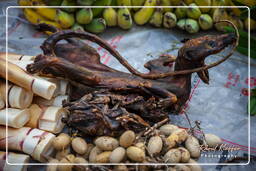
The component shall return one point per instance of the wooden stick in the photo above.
(13, 158)
(17, 118)
(18, 97)
(34, 142)
(18, 76)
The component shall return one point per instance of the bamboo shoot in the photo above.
(14, 56)
(18, 97)
(13, 158)
(18, 76)
(17, 118)
(34, 142)
(2, 103)
(55, 101)
(22, 64)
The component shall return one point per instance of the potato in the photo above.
(172, 140)
(103, 157)
(155, 145)
(63, 153)
(171, 169)
(172, 156)
(141, 145)
(212, 140)
(87, 153)
(80, 160)
(106, 143)
(79, 145)
(168, 129)
(61, 141)
(52, 167)
(194, 167)
(193, 146)
(182, 168)
(182, 134)
(135, 154)
(93, 154)
(70, 158)
(127, 138)
(117, 155)
(185, 155)
(64, 167)
(120, 168)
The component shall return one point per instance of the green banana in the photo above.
(205, 22)
(85, 2)
(157, 18)
(124, 18)
(65, 19)
(204, 3)
(166, 3)
(110, 16)
(53, 3)
(193, 11)
(137, 3)
(188, 1)
(191, 26)
(124, 2)
(175, 2)
(84, 16)
(169, 20)
(220, 14)
(181, 12)
(236, 21)
(69, 3)
(97, 11)
(77, 27)
(98, 25)
(143, 15)
(181, 24)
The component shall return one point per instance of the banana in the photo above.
(191, 26)
(143, 15)
(220, 14)
(169, 20)
(124, 18)
(32, 16)
(77, 27)
(193, 11)
(53, 2)
(205, 22)
(97, 11)
(166, 3)
(137, 3)
(181, 12)
(252, 24)
(181, 24)
(65, 19)
(175, 2)
(236, 11)
(84, 16)
(52, 23)
(97, 25)
(157, 18)
(249, 3)
(124, 2)
(219, 2)
(110, 16)
(49, 13)
(85, 2)
(69, 3)
(236, 21)
(188, 1)
(24, 2)
(204, 3)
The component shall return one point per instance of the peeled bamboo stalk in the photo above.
(13, 158)
(18, 76)
(2, 103)
(55, 101)
(47, 118)
(61, 86)
(20, 63)
(18, 97)
(14, 56)
(34, 142)
(17, 118)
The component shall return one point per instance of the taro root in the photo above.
(112, 100)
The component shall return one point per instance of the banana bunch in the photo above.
(191, 18)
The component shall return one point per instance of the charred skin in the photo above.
(141, 101)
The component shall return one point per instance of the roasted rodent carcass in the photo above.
(106, 100)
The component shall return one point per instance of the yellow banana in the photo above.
(110, 16)
(65, 19)
(247, 2)
(137, 3)
(143, 15)
(236, 11)
(49, 13)
(166, 3)
(24, 2)
(204, 3)
(124, 2)
(157, 18)
(32, 16)
(124, 18)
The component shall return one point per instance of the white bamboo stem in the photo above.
(17, 118)
(18, 76)
(2, 103)
(55, 101)
(20, 63)
(34, 142)
(61, 85)
(13, 158)
(14, 56)
(18, 97)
